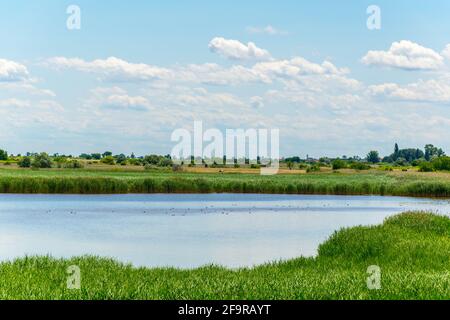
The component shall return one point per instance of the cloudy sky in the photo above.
(136, 71)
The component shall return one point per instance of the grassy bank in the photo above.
(411, 249)
(107, 182)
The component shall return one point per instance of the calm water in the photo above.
(187, 230)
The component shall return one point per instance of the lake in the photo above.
(187, 230)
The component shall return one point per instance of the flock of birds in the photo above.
(211, 209)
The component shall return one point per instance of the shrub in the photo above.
(401, 162)
(25, 162)
(338, 164)
(42, 161)
(74, 164)
(360, 166)
(121, 159)
(426, 167)
(313, 168)
(165, 162)
(417, 162)
(441, 163)
(108, 160)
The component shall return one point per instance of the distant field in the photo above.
(411, 251)
(121, 180)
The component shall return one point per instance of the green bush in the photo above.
(42, 161)
(441, 164)
(338, 164)
(360, 166)
(108, 160)
(426, 167)
(3, 155)
(313, 168)
(74, 164)
(25, 162)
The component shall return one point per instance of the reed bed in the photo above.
(94, 182)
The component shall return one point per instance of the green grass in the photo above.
(116, 181)
(412, 250)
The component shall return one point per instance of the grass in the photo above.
(90, 181)
(412, 250)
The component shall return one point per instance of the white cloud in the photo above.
(11, 71)
(126, 102)
(433, 90)
(295, 67)
(405, 55)
(13, 102)
(446, 52)
(236, 50)
(263, 72)
(112, 68)
(269, 30)
(116, 98)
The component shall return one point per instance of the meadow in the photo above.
(411, 249)
(122, 180)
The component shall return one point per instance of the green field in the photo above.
(412, 251)
(90, 181)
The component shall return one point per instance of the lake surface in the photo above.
(187, 230)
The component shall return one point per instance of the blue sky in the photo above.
(136, 71)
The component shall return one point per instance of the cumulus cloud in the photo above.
(11, 71)
(446, 52)
(263, 72)
(405, 55)
(236, 50)
(295, 67)
(116, 98)
(433, 90)
(112, 68)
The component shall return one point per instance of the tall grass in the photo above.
(411, 249)
(88, 182)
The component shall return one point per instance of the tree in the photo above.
(107, 154)
(25, 162)
(165, 162)
(3, 155)
(42, 160)
(108, 160)
(432, 152)
(338, 164)
(152, 159)
(85, 156)
(396, 149)
(121, 158)
(373, 156)
(290, 165)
